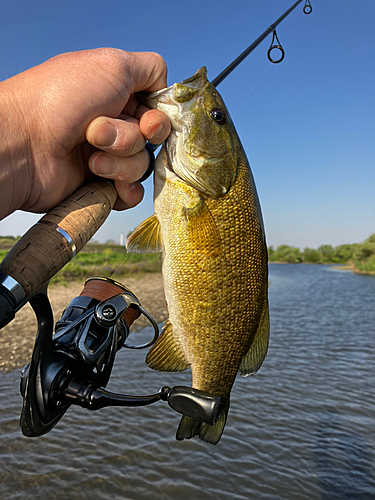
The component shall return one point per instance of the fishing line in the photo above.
(307, 9)
(247, 96)
(289, 37)
(116, 271)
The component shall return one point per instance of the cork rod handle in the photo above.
(59, 235)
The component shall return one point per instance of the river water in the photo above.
(302, 428)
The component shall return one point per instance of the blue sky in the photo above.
(306, 124)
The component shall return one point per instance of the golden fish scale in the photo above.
(215, 298)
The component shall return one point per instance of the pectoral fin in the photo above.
(166, 355)
(203, 233)
(254, 358)
(146, 238)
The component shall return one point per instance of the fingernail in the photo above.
(104, 165)
(155, 129)
(104, 135)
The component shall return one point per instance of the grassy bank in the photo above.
(99, 260)
(108, 260)
(111, 259)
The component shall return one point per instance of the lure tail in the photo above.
(190, 427)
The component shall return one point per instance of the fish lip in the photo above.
(165, 107)
(145, 97)
(202, 71)
(148, 100)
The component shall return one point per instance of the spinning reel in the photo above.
(73, 366)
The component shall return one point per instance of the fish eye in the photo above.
(219, 115)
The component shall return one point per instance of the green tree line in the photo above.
(361, 256)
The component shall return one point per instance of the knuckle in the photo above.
(160, 61)
(160, 65)
(109, 55)
(157, 64)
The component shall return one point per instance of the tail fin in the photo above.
(190, 427)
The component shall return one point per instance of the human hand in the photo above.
(74, 116)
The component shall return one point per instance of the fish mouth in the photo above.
(172, 100)
(169, 107)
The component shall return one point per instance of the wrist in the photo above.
(15, 177)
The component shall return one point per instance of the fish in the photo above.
(208, 225)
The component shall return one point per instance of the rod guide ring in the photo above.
(279, 47)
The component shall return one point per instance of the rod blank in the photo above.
(251, 47)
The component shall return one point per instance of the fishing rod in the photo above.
(58, 236)
(307, 9)
(71, 364)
